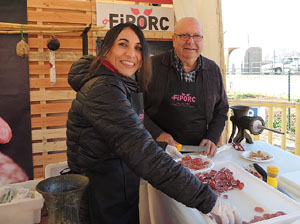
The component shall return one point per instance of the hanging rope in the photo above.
(22, 34)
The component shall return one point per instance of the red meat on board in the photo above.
(259, 209)
(221, 181)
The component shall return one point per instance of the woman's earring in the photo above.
(139, 69)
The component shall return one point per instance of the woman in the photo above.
(107, 140)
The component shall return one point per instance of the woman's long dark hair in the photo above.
(109, 39)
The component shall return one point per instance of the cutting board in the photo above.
(291, 180)
(258, 193)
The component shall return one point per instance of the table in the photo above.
(158, 208)
(285, 161)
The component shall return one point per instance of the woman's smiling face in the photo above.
(126, 53)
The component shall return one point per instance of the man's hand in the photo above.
(212, 148)
(165, 137)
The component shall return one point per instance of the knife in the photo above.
(264, 175)
(261, 171)
(191, 148)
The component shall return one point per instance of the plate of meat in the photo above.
(257, 156)
(196, 163)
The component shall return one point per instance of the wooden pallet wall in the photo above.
(50, 103)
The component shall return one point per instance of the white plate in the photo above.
(204, 158)
(246, 155)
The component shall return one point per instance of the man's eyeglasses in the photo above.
(185, 37)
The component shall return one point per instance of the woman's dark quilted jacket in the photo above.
(103, 125)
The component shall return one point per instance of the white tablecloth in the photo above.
(158, 208)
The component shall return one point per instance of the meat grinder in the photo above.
(243, 122)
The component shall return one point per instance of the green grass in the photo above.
(241, 95)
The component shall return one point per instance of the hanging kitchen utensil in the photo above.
(52, 44)
(22, 47)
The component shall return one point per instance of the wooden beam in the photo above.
(61, 68)
(43, 122)
(59, 56)
(59, 4)
(49, 146)
(45, 83)
(52, 95)
(48, 134)
(50, 108)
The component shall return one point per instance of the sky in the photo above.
(273, 25)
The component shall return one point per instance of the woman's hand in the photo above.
(225, 213)
(173, 152)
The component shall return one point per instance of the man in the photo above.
(186, 101)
